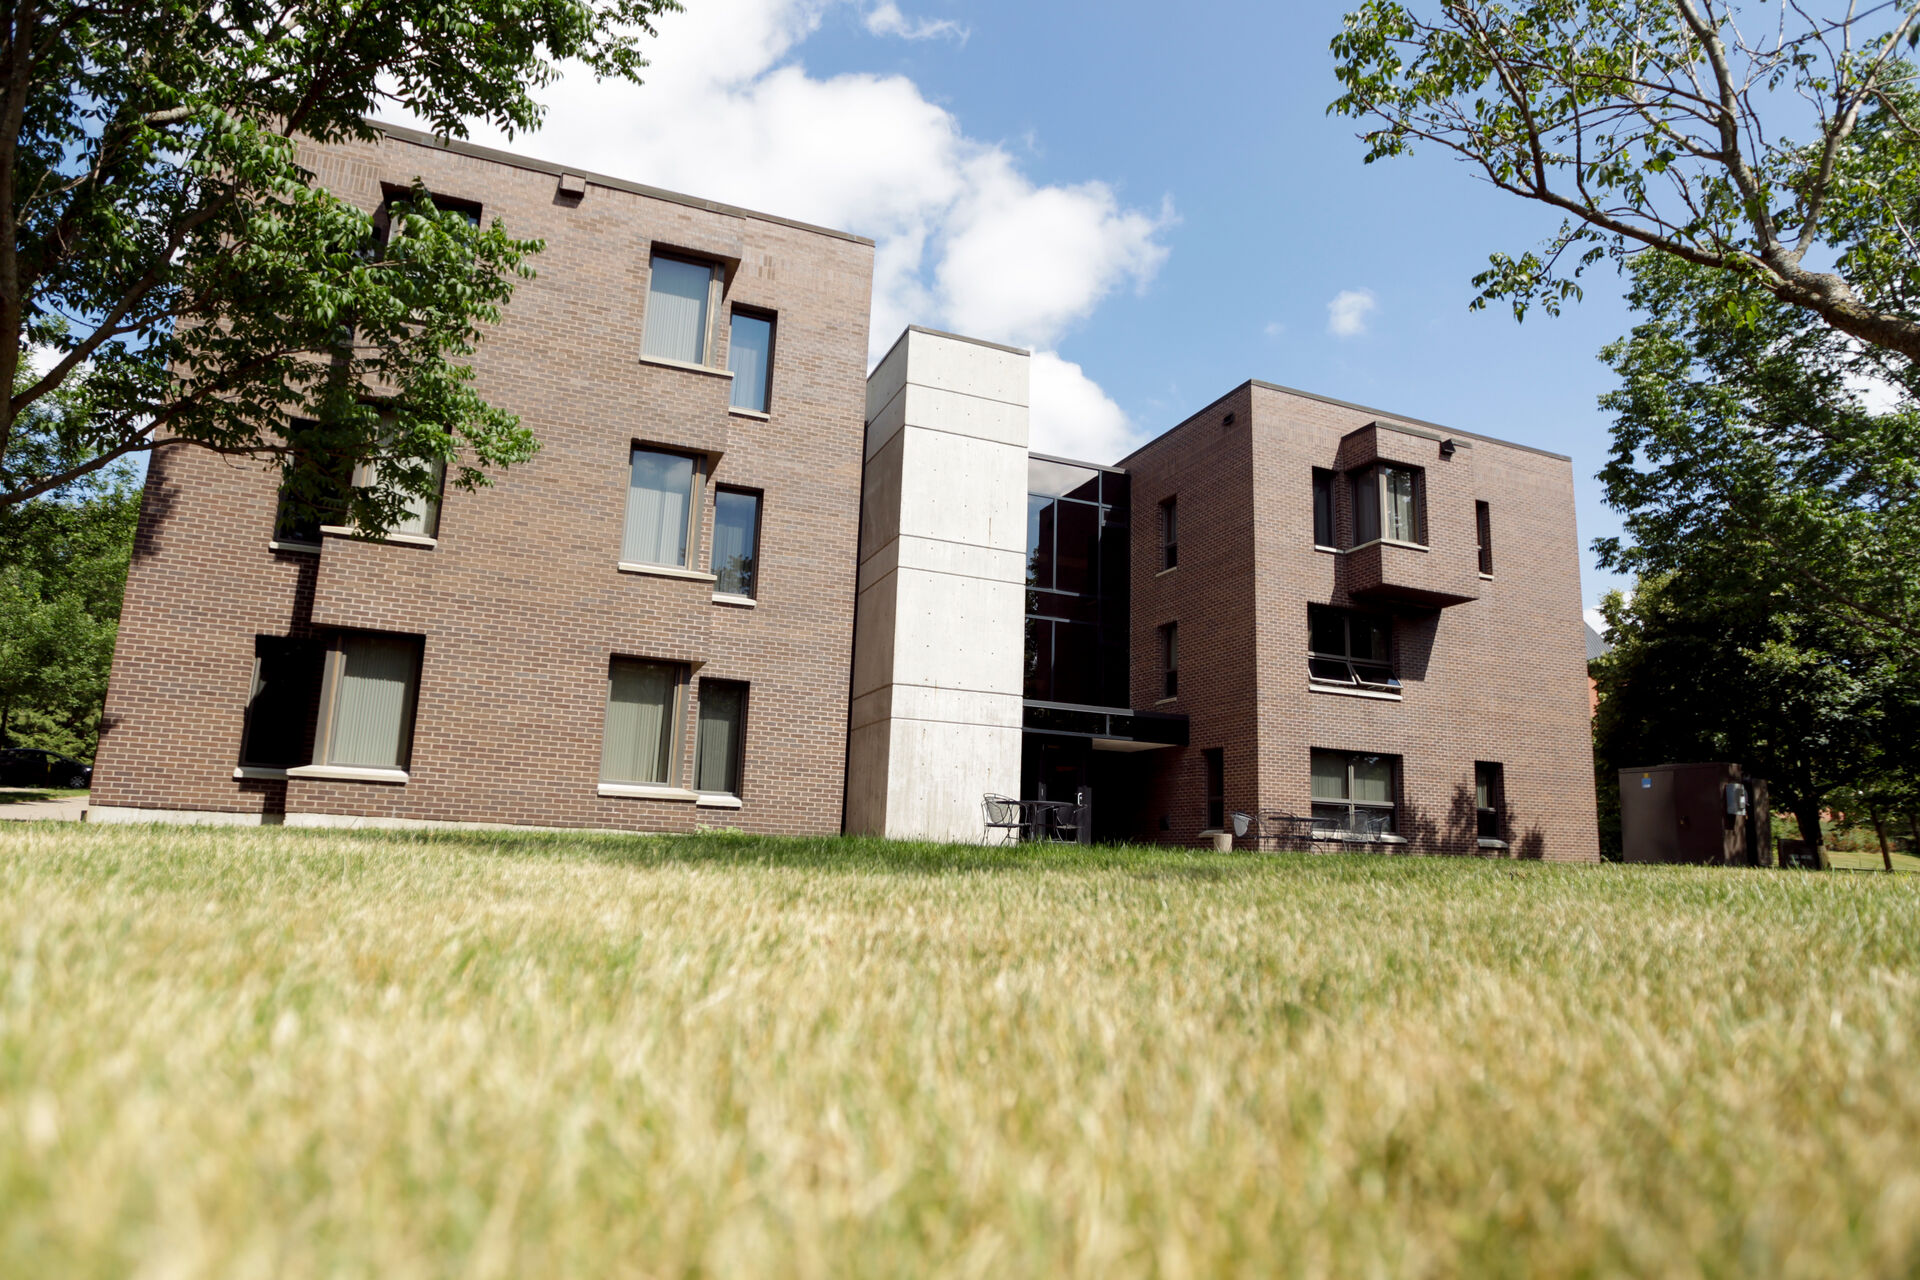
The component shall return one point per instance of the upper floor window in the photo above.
(1170, 533)
(663, 493)
(1323, 509)
(1386, 504)
(391, 222)
(421, 512)
(736, 542)
(1483, 530)
(1353, 793)
(643, 722)
(1489, 800)
(680, 299)
(750, 358)
(1345, 647)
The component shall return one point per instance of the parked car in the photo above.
(31, 767)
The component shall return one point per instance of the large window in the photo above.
(1483, 530)
(1489, 800)
(736, 542)
(1323, 509)
(1077, 590)
(679, 309)
(372, 685)
(722, 742)
(643, 719)
(1170, 533)
(663, 493)
(1349, 648)
(1170, 660)
(286, 682)
(1216, 764)
(1386, 504)
(750, 357)
(1353, 794)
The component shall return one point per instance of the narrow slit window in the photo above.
(1170, 533)
(750, 359)
(1489, 800)
(1170, 660)
(1483, 529)
(736, 542)
(721, 748)
(1215, 758)
(1323, 509)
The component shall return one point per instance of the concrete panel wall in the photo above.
(938, 633)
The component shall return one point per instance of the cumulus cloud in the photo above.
(1347, 313)
(887, 20)
(1070, 416)
(965, 239)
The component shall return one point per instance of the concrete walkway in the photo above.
(54, 808)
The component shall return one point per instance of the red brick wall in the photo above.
(520, 604)
(1501, 678)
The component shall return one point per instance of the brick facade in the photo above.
(520, 605)
(1493, 668)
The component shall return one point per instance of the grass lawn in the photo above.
(293, 1054)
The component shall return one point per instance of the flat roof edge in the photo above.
(961, 337)
(515, 160)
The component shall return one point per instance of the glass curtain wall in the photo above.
(1077, 561)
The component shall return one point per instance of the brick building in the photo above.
(645, 627)
(744, 583)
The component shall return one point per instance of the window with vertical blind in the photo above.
(720, 747)
(679, 309)
(663, 493)
(750, 359)
(1387, 505)
(422, 511)
(736, 542)
(643, 717)
(1353, 793)
(372, 687)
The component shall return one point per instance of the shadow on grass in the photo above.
(36, 795)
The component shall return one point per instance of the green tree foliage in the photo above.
(165, 243)
(63, 566)
(1769, 472)
(1762, 139)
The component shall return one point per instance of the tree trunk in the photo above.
(1880, 830)
(1807, 814)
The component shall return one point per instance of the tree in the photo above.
(1667, 125)
(165, 242)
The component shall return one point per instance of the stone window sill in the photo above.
(1161, 702)
(258, 773)
(1347, 691)
(738, 602)
(398, 539)
(1488, 842)
(1332, 551)
(666, 571)
(758, 414)
(1349, 837)
(347, 773)
(301, 548)
(1172, 568)
(717, 800)
(1486, 577)
(646, 791)
(707, 369)
(1391, 542)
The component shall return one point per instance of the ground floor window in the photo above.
(643, 717)
(286, 685)
(372, 685)
(1353, 793)
(722, 741)
(1216, 762)
(1489, 800)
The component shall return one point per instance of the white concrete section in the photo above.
(180, 817)
(938, 638)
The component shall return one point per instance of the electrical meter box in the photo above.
(1699, 813)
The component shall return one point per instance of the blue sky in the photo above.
(1152, 198)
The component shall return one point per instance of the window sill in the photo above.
(1161, 702)
(398, 539)
(666, 571)
(707, 369)
(1390, 542)
(258, 773)
(757, 414)
(1351, 837)
(646, 791)
(738, 602)
(1346, 691)
(1486, 577)
(1488, 842)
(1172, 568)
(346, 773)
(301, 548)
(1332, 551)
(717, 800)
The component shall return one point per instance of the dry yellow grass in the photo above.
(299, 1054)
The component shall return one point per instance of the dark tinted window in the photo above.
(723, 722)
(1216, 787)
(1323, 509)
(286, 690)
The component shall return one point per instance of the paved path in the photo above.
(59, 808)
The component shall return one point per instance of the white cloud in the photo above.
(1347, 313)
(965, 240)
(887, 20)
(1070, 415)
(1275, 329)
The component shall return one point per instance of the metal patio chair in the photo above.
(1004, 813)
